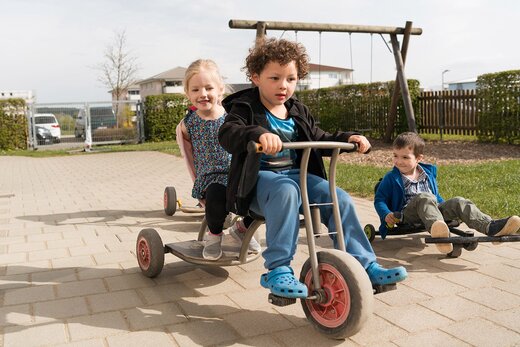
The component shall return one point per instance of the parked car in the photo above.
(48, 121)
(43, 135)
(101, 117)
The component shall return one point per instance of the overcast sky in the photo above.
(50, 47)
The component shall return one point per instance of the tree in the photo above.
(119, 69)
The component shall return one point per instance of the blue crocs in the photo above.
(281, 282)
(380, 276)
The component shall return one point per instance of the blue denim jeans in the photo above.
(278, 199)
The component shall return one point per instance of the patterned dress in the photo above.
(210, 159)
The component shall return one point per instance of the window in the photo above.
(172, 83)
(333, 75)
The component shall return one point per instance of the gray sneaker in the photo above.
(238, 236)
(212, 246)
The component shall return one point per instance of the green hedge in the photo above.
(162, 113)
(361, 107)
(13, 124)
(498, 96)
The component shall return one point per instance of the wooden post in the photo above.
(260, 33)
(392, 112)
(403, 83)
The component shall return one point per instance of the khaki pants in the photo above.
(423, 208)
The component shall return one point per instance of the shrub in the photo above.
(498, 96)
(162, 113)
(13, 124)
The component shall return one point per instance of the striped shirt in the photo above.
(412, 188)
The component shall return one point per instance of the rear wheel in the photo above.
(457, 251)
(150, 252)
(346, 295)
(370, 232)
(170, 201)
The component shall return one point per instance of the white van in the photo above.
(49, 121)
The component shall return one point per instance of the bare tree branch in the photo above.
(119, 69)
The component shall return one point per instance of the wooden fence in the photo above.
(449, 112)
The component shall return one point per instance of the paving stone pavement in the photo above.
(69, 275)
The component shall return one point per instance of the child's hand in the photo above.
(271, 143)
(390, 219)
(362, 142)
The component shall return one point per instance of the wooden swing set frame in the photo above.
(399, 54)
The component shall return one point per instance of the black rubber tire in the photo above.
(358, 293)
(370, 232)
(150, 252)
(170, 201)
(470, 246)
(457, 251)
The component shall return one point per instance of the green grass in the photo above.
(494, 187)
(169, 147)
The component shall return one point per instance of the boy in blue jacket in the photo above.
(411, 188)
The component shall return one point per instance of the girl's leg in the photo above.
(278, 199)
(463, 209)
(356, 242)
(216, 207)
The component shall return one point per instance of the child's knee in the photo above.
(286, 194)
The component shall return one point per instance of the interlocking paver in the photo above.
(69, 276)
(39, 335)
(114, 301)
(154, 316)
(141, 338)
(480, 332)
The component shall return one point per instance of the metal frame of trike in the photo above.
(340, 296)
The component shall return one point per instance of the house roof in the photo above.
(317, 67)
(175, 74)
(467, 80)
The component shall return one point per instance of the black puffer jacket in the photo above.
(245, 122)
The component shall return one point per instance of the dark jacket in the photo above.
(390, 193)
(246, 121)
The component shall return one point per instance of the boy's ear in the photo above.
(255, 78)
(420, 157)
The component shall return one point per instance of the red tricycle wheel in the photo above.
(150, 252)
(346, 291)
(335, 310)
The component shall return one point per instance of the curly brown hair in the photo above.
(280, 51)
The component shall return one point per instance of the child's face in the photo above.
(405, 160)
(276, 83)
(204, 92)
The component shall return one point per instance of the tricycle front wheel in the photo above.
(345, 298)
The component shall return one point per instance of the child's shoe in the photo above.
(238, 231)
(505, 226)
(380, 276)
(281, 282)
(212, 246)
(440, 229)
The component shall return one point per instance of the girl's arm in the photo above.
(184, 142)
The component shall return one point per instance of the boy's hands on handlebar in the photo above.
(362, 142)
(271, 143)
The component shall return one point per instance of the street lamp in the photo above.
(442, 86)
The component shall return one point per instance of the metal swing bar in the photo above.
(399, 53)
